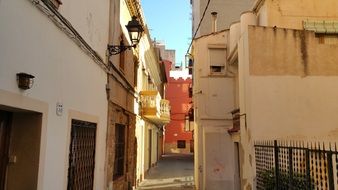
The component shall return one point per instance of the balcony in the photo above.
(165, 111)
(154, 108)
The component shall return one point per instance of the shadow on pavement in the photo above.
(173, 172)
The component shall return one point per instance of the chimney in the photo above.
(214, 22)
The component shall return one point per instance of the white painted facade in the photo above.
(213, 100)
(64, 73)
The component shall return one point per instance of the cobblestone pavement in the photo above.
(173, 172)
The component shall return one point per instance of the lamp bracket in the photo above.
(117, 49)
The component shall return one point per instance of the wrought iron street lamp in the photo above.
(135, 31)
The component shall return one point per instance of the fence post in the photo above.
(308, 169)
(276, 151)
(330, 169)
(290, 167)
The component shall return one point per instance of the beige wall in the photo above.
(305, 55)
(214, 99)
(292, 13)
(287, 82)
(218, 158)
(300, 72)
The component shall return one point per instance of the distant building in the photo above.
(179, 132)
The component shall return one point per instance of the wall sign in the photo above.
(59, 109)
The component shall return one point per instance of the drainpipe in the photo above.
(214, 22)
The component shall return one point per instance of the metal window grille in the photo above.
(120, 144)
(82, 155)
(296, 166)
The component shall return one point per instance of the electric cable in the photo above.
(198, 27)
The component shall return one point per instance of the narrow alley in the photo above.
(168, 95)
(173, 172)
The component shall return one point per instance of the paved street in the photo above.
(173, 172)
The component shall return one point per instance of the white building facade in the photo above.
(43, 128)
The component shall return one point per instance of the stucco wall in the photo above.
(300, 72)
(177, 92)
(91, 19)
(218, 157)
(214, 99)
(287, 89)
(291, 13)
(30, 42)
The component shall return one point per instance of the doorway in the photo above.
(20, 138)
(5, 125)
(150, 147)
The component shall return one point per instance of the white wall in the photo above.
(30, 42)
(90, 19)
(214, 99)
(219, 163)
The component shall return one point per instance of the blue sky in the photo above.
(169, 21)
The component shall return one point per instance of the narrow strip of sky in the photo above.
(169, 21)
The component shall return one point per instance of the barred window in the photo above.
(181, 144)
(119, 151)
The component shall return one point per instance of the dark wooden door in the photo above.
(192, 146)
(5, 123)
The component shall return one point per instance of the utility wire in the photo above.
(198, 27)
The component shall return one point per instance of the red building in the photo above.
(178, 136)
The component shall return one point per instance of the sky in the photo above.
(169, 21)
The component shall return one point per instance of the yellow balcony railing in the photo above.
(165, 111)
(154, 108)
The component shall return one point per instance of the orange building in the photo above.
(178, 136)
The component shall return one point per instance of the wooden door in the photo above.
(5, 123)
(191, 146)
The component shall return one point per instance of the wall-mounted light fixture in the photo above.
(135, 31)
(25, 81)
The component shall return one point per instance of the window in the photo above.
(181, 144)
(119, 151)
(82, 160)
(190, 91)
(217, 59)
(215, 69)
